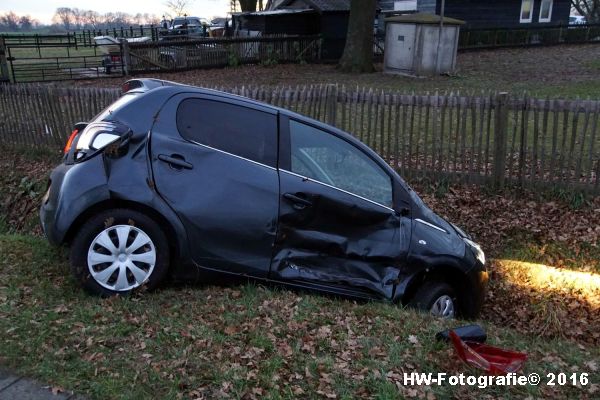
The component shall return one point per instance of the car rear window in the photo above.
(121, 102)
(238, 130)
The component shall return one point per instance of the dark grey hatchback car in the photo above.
(196, 184)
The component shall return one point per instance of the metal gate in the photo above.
(35, 58)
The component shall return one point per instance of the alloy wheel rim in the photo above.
(121, 258)
(443, 307)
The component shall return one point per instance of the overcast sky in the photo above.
(43, 10)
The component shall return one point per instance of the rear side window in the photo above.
(235, 129)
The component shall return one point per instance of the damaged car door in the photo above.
(337, 224)
(215, 164)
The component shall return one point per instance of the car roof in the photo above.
(166, 89)
(145, 85)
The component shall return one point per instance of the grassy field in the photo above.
(49, 63)
(251, 341)
(555, 71)
(246, 341)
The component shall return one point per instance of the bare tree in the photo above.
(92, 18)
(178, 7)
(108, 19)
(358, 52)
(26, 23)
(590, 9)
(122, 18)
(63, 16)
(10, 20)
(78, 17)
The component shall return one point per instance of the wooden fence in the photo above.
(498, 138)
(170, 55)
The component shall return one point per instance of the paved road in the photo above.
(15, 387)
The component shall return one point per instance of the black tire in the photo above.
(429, 293)
(91, 228)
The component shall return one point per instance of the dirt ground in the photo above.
(565, 71)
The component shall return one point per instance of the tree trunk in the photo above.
(358, 52)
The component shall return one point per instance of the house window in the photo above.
(546, 10)
(526, 11)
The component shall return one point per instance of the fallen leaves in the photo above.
(250, 343)
(555, 303)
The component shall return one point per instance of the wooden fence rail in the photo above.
(171, 55)
(495, 139)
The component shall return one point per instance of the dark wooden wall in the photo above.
(334, 28)
(502, 13)
(291, 24)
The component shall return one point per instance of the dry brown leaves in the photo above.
(534, 299)
(493, 219)
(22, 185)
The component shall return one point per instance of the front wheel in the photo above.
(437, 299)
(118, 251)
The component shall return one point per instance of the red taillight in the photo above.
(115, 58)
(70, 141)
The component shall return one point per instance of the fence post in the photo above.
(125, 56)
(331, 104)
(4, 77)
(500, 139)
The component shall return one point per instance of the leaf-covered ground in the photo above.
(251, 341)
(241, 342)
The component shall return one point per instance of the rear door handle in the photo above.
(175, 161)
(300, 203)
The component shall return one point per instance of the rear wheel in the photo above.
(437, 299)
(118, 251)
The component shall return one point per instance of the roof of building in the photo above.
(283, 11)
(423, 18)
(319, 5)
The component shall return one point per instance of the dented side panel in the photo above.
(340, 239)
(73, 189)
(227, 204)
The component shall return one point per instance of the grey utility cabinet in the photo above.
(411, 44)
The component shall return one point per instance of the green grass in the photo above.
(243, 340)
(52, 63)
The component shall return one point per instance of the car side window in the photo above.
(326, 158)
(238, 130)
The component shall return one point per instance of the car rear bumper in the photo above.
(50, 203)
(72, 189)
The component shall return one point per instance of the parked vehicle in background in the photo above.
(111, 52)
(186, 27)
(200, 184)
